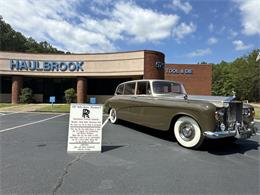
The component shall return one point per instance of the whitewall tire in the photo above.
(188, 133)
(113, 116)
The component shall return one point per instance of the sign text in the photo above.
(33, 65)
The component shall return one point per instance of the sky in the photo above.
(186, 31)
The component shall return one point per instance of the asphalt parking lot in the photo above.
(134, 160)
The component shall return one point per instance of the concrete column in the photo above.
(17, 84)
(81, 90)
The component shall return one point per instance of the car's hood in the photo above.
(219, 101)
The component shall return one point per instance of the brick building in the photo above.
(92, 75)
(197, 78)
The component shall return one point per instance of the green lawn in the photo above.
(257, 113)
(55, 108)
(3, 105)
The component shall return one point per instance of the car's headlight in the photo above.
(222, 127)
(247, 112)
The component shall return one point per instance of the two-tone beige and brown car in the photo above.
(164, 105)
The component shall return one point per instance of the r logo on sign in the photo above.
(85, 113)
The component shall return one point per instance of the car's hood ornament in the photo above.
(185, 97)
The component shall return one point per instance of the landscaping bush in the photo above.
(26, 95)
(70, 95)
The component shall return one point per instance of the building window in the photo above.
(5, 84)
(103, 86)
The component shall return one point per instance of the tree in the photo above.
(70, 94)
(242, 76)
(203, 62)
(26, 95)
(10, 40)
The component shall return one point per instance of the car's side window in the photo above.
(129, 89)
(143, 88)
(120, 90)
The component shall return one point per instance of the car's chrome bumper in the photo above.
(240, 132)
(219, 134)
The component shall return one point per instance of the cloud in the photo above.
(239, 45)
(132, 22)
(62, 24)
(183, 6)
(212, 40)
(143, 24)
(249, 10)
(183, 29)
(54, 21)
(200, 52)
(232, 33)
(211, 27)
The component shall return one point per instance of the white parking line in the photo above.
(2, 114)
(105, 122)
(10, 113)
(27, 124)
(257, 133)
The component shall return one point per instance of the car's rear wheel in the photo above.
(113, 116)
(187, 132)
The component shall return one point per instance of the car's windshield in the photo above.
(165, 87)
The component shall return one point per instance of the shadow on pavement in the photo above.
(108, 148)
(216, 147)
(227, 146)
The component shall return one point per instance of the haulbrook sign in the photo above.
(48, 66)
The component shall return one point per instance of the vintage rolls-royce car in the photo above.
(165, 105)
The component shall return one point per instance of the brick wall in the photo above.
(150, 70)
(197, 83)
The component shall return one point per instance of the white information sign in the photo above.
(85, 128)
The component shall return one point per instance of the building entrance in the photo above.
(46, 87)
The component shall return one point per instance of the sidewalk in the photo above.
(23, 108)
(256, 105)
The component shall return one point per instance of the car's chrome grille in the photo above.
(234, 113)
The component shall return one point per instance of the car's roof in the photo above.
(150, 80)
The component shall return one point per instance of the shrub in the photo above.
(70, 94)
(26, 95)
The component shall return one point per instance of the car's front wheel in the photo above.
(113, 116)
(188, 133)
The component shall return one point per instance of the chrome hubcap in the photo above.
(112, 115)
(186, 131)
